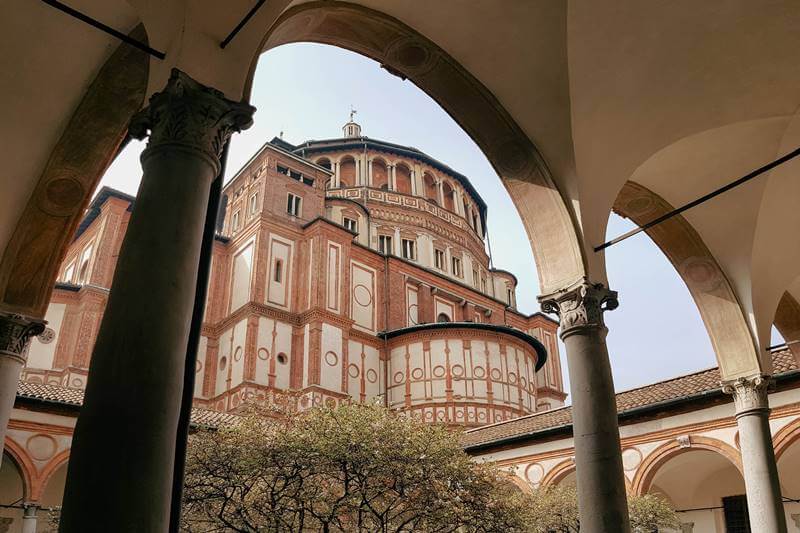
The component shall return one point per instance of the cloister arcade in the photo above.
(582, 108)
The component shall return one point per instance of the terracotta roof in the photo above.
(690, 386)
(201, 417)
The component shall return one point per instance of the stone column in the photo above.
(764, 503)
(15, 335)
(602, 502)
(369, 172)
(336, 177)
(123, 449)
(29, 518)
(393, 177)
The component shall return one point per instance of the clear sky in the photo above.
(306, 90)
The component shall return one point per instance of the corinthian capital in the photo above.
(190, 116)
(15, 333)
(749, 394)
(580, 306)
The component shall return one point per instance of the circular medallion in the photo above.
(479, 372)
(237, 355)
(417, 373)
(534, 473)
(372, 376)
(631, 459)
(512, 378)
(331, 359)
(362, 295)
(61, 196)
(41, 447)
(198, 366)
(398, 377)
(457, 370)
(412, 312)
(263, 354)
(77, 382)
(438, 371)
(496, 374)
(353, 371)
(47, 336)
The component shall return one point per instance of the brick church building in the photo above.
(347, 268)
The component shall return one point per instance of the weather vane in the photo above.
(352, 112)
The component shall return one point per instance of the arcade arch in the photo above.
(403, 179)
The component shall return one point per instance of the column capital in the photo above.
(16, 332)
(580, 306)
(187, 115)
(749, 393)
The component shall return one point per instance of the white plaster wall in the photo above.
(41, 355)
(331, 363)
(283, 344)
(200, 367)
(223, 361)
(306, 330)
(279, 292)
(362, 306)
(412, 311)
(242, 272)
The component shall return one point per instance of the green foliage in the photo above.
(349, 468)
(555, 510)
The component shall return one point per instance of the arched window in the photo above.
(324, 163)
(449, 194)
(402, 176)
(431, 192)
(443, 318)
(347, 172)
(380, 174)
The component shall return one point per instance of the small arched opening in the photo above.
(347, 172)
(443, 317)
(448, 195)
(380, 174)
(431, 192)
(402, 176)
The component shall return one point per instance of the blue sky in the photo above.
(306, 90)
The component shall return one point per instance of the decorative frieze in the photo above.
(749, 394)
(190, 116)
(15, 334)
(580, 306)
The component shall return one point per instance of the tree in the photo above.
(348, 468)
(554, 509)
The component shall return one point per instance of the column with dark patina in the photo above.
(123, 450)
(764, 501)
(602, 501)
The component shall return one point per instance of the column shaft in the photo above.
(764, 502)
(602, 501)
(15, 334)
(29, 518)
(123, 449)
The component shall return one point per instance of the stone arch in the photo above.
(23, 464)
(547, 218)
(57, 462)
(557, 474)
(380, 173)
(402, 175)
(713, 294)
(517, 482)
(324, 162)
(785, 437)
(89, 143)
(660, 456)
(347, 171)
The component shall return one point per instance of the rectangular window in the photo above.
(235, 221)
(456, 263)
(438, 259)
(278, 274)
(409, 249)
(350, 224)
(283, 170)
(475, 279)
(483, 285)
(253, 203)
(385, 244)
(510, 296)
(293, 205)
(475, 222)
(737, 519)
